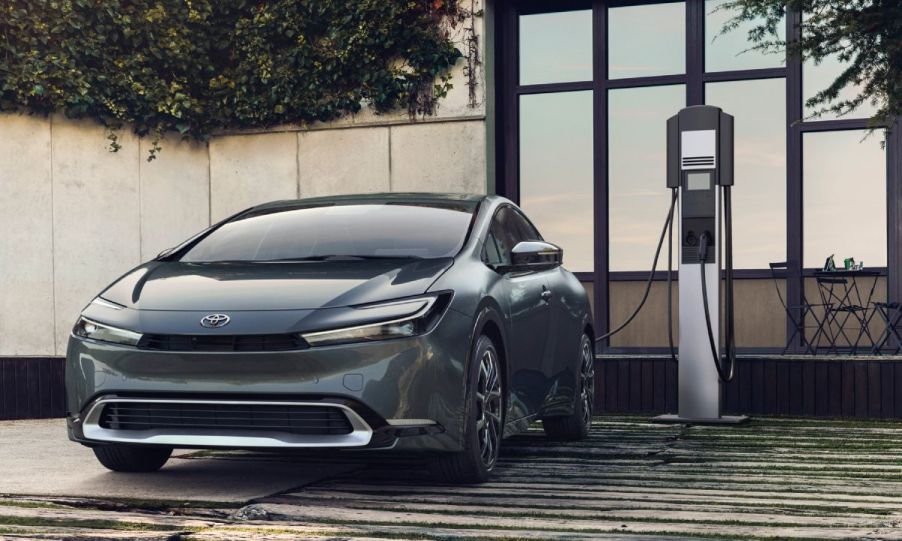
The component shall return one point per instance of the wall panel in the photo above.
(26, 253)
(96, 209)
(175, 194)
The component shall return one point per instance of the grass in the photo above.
(383, 534)
(474, 527)
(735, 507)
(601, 515)
(30, 504)
(91, 524)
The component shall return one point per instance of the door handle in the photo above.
(547, 295)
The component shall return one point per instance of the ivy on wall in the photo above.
(195, 66)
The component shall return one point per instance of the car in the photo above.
(433, 323)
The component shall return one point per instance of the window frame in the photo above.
(508, 91)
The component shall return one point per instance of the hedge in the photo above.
(195, 66)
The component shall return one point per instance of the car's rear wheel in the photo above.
(485, 421)
(576, 426)
(130, 458)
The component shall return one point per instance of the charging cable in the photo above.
(725, 374)
(667, 232)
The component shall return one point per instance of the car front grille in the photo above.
(199, 418)
(212, 342)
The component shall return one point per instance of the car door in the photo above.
(529, 314)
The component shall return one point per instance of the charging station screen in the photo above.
(698, 181)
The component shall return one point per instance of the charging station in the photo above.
(700, 171)
(700, 177)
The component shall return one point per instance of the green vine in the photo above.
(195, 66)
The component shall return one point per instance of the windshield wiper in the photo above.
(337, 257)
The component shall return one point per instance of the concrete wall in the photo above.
(74, 216)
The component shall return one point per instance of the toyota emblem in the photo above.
(214, 321)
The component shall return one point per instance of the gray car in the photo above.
(415, 322)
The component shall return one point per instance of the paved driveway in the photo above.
(36, 458)
(632, 480)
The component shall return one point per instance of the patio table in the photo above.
(848, 301)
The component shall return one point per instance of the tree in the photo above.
(864, 35)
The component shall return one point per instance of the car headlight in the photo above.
(423, 314)
(86, 328)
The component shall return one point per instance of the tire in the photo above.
(576, 426)
(129, 458)
(484, 422)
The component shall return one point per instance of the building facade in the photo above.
(564, 113)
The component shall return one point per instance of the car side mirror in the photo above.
(535, 256)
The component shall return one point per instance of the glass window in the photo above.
(355, 230)
(844, 197)
(726, 52)
(647, 40)
(556, 47)
(515, 221)
(759, 196)
(817, 77)
(637, 157)
(509, 228)
(556, 171)
(491, 255)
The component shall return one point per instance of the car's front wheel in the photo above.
(131, 458)
(576, 425)
(484, 423)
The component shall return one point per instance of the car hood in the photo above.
(272, 286)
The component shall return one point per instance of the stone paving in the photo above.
(633, 479)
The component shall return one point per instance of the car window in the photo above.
(490, 253)
(361, 230)
(525, 230)
(508, 228)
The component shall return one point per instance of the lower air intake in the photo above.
(301, 420)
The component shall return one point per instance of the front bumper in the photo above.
(406, 393)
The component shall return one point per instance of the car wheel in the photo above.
(576, 425)
(484, 424)
(128, 458)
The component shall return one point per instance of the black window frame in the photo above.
(508, 91)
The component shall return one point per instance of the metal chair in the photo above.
(840, 309)
(891, 313)
(804, 310)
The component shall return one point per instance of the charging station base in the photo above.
(723, 420)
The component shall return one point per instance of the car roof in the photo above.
(468, 200)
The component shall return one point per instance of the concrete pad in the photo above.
(26, 260)
(36, 458)
(247, 170)
(343, 161)
(96, 228)
(175, 194)
(439, 157)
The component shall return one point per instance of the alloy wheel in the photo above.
(488, 408)
(587, 376)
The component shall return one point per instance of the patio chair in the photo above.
(891, 313)
(798, 314)
(839, 310)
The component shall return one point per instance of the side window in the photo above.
(508, 228)
(490, 253)
(526, 231)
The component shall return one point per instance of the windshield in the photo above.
(337, 231)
